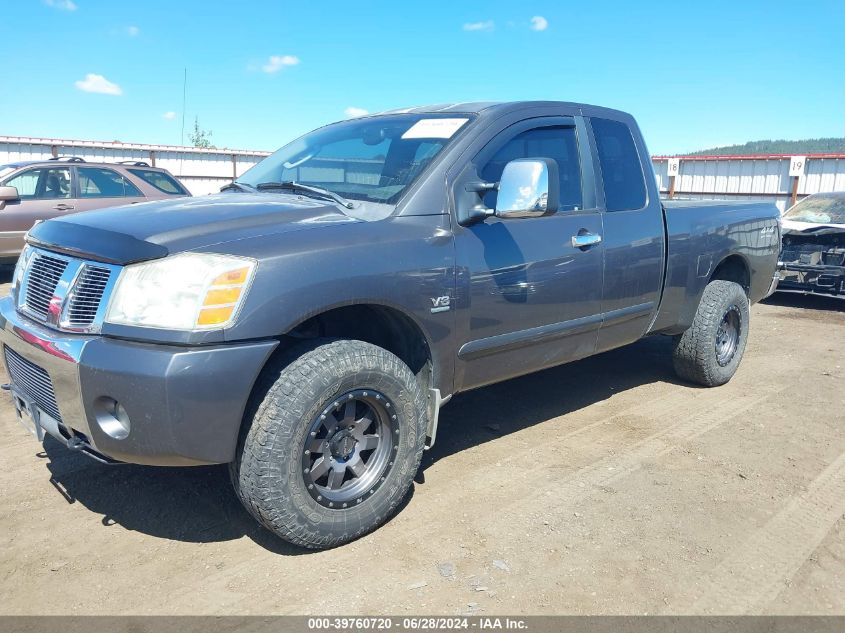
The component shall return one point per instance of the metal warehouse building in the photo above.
(202, 171)
(777, 178)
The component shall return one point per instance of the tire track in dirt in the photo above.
(571, 487)
(603, 470)
(753, 574)
(598, 468)
(669, 409)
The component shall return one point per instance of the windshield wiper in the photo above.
(237, 186)
(298, 186)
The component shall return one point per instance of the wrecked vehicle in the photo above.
(812, 258)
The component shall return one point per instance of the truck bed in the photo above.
(702, 233)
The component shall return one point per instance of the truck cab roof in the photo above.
(497, 107)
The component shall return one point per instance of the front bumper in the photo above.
(184, 404)
(812, 279)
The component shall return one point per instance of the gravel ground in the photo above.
(604, 486)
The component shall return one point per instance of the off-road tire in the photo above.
(295, 390)
(695, 356)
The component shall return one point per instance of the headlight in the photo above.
(191, 291)
(20, 267)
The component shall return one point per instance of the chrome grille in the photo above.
(33, 381)
(87, 295)
(64, 292)
(44, 275)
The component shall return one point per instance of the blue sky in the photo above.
(695, 74)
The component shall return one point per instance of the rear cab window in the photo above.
(160, 180)
(621, 169)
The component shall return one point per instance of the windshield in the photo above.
(819, 209)
(373, 159)
(6, 169)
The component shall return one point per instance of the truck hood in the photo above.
(795, 228)
(132, 233)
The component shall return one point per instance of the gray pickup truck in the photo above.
(306, 324)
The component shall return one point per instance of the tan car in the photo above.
(34, 191)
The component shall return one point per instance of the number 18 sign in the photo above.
(674, 167)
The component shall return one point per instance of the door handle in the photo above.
(585, 240)
(63, 207)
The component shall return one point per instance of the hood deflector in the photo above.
(93, 243)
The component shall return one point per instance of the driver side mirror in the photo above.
(8, 193)
(529, 188)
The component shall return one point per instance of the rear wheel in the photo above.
(710, 351)
(331, 442)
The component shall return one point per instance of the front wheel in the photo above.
(710, 351)
(331, 442)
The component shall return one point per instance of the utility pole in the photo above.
(184, 98)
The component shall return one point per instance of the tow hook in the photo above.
(76, 444)
(6, 387)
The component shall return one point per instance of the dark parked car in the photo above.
(33, 191)
(306, 325)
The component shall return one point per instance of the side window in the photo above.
(42, 184)
(104, 183)
(556, 142)
(621, 171)
(161, 181)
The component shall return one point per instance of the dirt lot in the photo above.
(604, 486)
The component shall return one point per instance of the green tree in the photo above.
(780, 146)
(199, 137)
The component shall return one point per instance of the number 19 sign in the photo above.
(796, 165)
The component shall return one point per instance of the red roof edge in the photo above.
(749, 156)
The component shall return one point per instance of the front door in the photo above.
(44, 193)
(534, 298)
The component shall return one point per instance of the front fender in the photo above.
(402, 263)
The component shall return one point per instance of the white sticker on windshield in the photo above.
(434, 128)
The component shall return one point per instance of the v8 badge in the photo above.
(440, 304)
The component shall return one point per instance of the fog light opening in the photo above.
(112, 418)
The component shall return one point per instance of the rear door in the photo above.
(100, 187)
(633, 232)
(45, 192)
(534, 297)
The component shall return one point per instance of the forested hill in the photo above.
(796, 148)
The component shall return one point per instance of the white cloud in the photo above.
(353, 112)
(99, 84)
(275, 63)
(539, 23)
(486, 25)
(168, 116)
(61, 5)
(133, 31)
